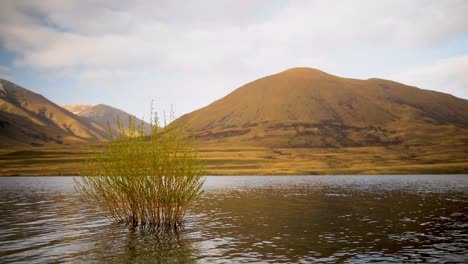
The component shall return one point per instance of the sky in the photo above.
(187, 54)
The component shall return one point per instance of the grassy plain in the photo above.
(239, 159)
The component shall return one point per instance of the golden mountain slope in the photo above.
(27, 118)
(304, 107)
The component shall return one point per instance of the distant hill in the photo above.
(105, 115)
(28, 118)
(308, 108)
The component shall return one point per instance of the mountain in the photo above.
(105, 115)
(301, 121)
(77, 109)
(28, 118)
(308, 108)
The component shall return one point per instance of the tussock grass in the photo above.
(144, 180)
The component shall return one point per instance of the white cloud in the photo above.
(447, 75)
(5, 73)
(115, 34)
(214, 46)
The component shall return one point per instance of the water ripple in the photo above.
(347, 219)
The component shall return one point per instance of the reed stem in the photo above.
(140, 179)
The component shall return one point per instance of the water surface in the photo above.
(298, 219)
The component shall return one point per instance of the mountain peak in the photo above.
(105, 107)
(304, 71)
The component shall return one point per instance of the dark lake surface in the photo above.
(290, 219)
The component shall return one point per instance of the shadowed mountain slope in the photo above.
(303, 107)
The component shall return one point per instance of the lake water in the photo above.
(290, 219)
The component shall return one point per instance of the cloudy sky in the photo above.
(190, 53)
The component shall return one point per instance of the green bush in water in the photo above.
(146, 180)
